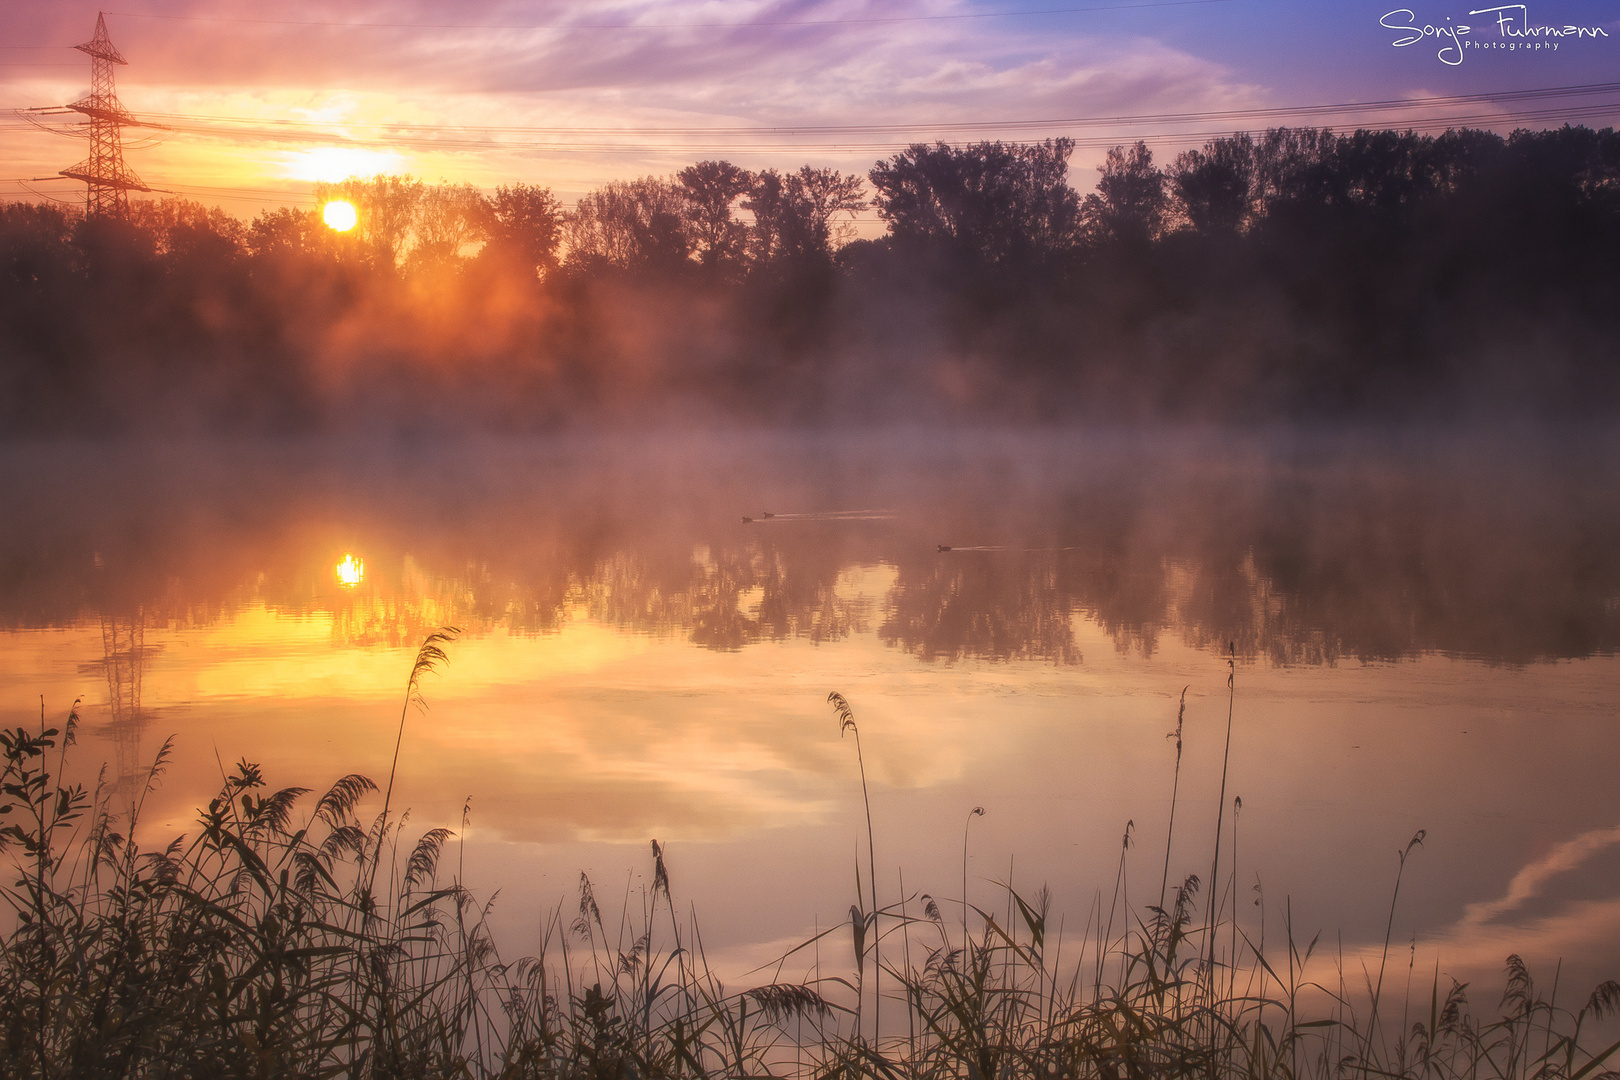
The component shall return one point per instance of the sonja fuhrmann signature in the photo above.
(1514, 31)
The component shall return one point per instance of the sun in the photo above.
(339, 215)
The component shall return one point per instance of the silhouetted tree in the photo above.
(769, 203)
(180, 223)
(1129, 203)
(450, 218)
(1212, 185)
(710, 189)
(1567, 162)
(821, 195)
(996, 201)
(1385, 171)
(795, 215)
(44, 366)
(525, 227)
(636, 225)
(387, 208)
(286, 232)
(33, 243)
(1295, 166)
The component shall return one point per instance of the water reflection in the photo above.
(727, 596)
(123, 664)
(351, 571)
(978, 604)
(1014, 631)
(1356, 558)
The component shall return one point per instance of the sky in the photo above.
(258, 101)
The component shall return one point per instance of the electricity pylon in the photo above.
(110, 180)
(123, 642)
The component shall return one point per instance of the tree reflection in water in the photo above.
(1355, 556)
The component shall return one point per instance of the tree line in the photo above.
(1291, 274)
(658, 226)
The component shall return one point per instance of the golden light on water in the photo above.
(351, 571)
(339, 215)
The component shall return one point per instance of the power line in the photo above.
(441, 137)
(48, 198)
(788, 142)
(804, 145)
(1027, 13)
(246, 194)
(260, 195)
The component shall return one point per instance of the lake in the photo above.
(1422, 635)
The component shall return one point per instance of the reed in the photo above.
(285, 941)
(846, 723)
(1220, 811)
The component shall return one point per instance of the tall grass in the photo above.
(276, 942)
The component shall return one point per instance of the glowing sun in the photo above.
(339, 215)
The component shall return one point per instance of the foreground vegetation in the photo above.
(265, 948)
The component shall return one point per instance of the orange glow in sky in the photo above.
(329, 164)
(249, 112)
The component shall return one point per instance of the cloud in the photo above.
(1531, 881)
(1560, 930)
(706, 65)
(334, 163)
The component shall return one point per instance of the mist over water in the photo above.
(1289, 276)
(1425, 634)
(1296, 548)
(638, 466)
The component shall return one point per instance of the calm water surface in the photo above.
(1424, 636)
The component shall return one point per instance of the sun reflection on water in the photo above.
(351, 571)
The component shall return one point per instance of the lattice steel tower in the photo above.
(110, 180)
(124, 655)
